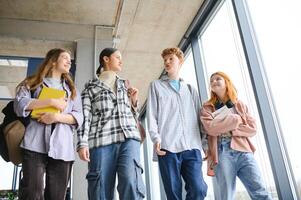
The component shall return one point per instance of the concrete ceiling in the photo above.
(89, 12)
(143, 28)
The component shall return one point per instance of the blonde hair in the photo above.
(174, 50)
(231, 91)
(34, 81)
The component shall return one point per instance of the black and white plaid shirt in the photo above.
(108, 117)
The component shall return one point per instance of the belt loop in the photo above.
(219, 144)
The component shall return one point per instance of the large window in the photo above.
(278, 34)
(12, 72)
(221, 50)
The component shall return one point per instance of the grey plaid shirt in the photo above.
(108, 117)
(173, 117)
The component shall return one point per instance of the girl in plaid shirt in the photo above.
(109, 139)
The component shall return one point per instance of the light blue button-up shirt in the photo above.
(175, 84)
(173, 116)
(58, 144)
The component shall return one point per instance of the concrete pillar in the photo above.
(87, 52)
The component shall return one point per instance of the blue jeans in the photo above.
(107, 161)
(232, 163)
(187, 164)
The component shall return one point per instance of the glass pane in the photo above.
(222, 51)
(12, 72)
(280, 43)
(4, 62)
(152, 168)
(187, 71)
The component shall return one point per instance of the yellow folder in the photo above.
(48, 93)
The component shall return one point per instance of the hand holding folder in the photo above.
(48, 93)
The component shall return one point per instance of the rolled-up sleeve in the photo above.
(22, 101)
(77, 110)
(83, 131)
(152, 114)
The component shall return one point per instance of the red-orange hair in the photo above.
(231, 91)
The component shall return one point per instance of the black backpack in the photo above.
(9, 116)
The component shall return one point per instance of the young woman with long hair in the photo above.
(48, 141)
(229, 126)
(109, 139)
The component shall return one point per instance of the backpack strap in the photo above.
(44, 84)
(127, 84)
(32, 93)
(190, 89)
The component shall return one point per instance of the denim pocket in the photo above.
(93, 178)
(139, 181)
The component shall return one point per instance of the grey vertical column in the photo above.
(87, 52)
(84, 72)
(284, 180)
(199, 69)
(84, 62)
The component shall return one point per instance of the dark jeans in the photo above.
(57, 174)
(186, 164)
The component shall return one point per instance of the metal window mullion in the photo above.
(199, 69)
(284, 182)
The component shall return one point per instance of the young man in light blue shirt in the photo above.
(173, 123)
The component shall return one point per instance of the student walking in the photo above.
(109, 139)
(173, 123)
(48, 141)
(230, 126)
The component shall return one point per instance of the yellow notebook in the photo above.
(48, 93)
